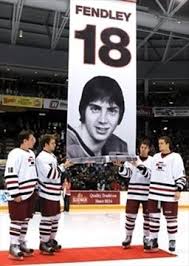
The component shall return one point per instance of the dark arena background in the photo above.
(34, 81)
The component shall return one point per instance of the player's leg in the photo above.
(146, 226)
(132, 207)
(14, 232)
(29, 206)
(45, 226)
(53, 242)
(154, 225)
(170, 211)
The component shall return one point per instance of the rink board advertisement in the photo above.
(95, 197)
(54, 104)
(22, 101)
(3, 196)
(175, 111)
(102, 78)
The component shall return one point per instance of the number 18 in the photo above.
(89, 37)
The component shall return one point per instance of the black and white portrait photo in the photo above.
(101, 110)
(101, 114)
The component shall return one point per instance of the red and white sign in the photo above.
(94, 197)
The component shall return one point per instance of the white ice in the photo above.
(104, 228)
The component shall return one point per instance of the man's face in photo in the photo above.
(101, 119)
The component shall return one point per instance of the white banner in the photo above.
(55, 104)
(102, 78)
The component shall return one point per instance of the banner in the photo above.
(176, 111)
(95, 197)
(102, 78)
(21, 101)
(55, 104)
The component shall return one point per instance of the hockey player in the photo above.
(167, 182)
(138, 189)
(21, 179)
(49, 174)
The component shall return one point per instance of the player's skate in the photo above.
(15, 253)
(26, 251)
(54, 244)
(152, 246)
(126, 243)
(46, 248)
(172, 244)
(146, 242)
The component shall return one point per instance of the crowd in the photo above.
(93, 176)
(96, 177)
(32, 89)
(85, 177)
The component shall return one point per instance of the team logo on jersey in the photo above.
(160, 166)
(31, 161)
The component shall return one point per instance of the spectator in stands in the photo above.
(67, 193)
(101, 185)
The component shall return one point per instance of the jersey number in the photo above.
(89, 37)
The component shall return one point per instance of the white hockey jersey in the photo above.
(167, 176)
(20, 173)
(49, 175)
(138, 188)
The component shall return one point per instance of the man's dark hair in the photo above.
(104, 89)
(46, 139)
(24, 134)
(145, 142)
(167, 141)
